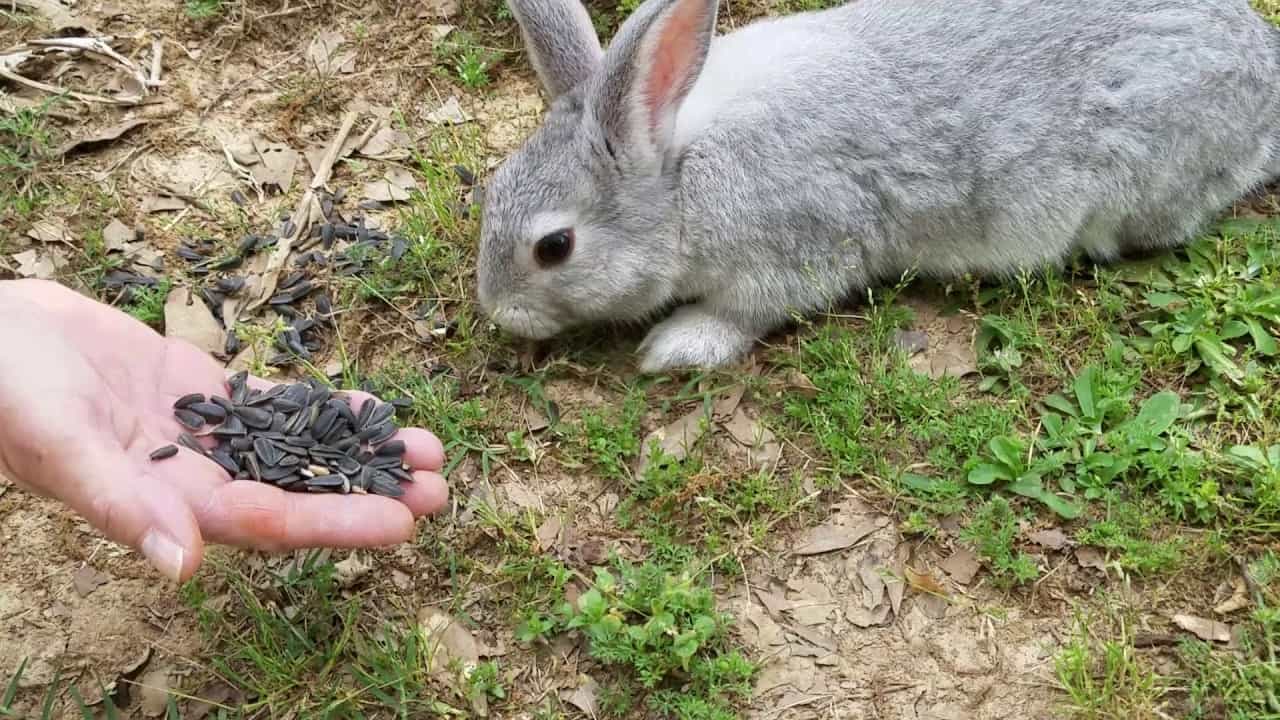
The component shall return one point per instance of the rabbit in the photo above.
(767, 174)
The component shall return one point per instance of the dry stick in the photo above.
(302, 214)
(157, 52)
(55, 90)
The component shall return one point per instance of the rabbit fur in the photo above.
(775, 171)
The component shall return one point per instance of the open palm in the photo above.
(87, 392)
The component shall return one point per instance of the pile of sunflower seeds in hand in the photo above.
(298, 437)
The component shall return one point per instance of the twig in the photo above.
(157, 52)
(302, 214)
(55, 90)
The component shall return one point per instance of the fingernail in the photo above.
(165, 554)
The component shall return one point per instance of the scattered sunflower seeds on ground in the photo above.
(300, 437)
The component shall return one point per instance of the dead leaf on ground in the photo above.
(798, 383)
(188, 318)
(812, 603)
(348, 572)
(924, 582)
(521, 495)
(446, 640)
(775, 603)
(1091, 557)
(440, 9)
(1205, 629)
(584, 696)
(674, 439)
(831, 537)
(218, 695)
(763, 444)
(1052, 539)
(52, 230)
(279, 161)
(911, 341)
(162, 203)
(40, 264)
(1239, 599)
(86, 579)
(549, 533)
(450, 113)
(962, 566)
(106, 135)
(324, 57)
(154, 688)
(387, 144)
(394, 186)
(725, 405)
(117, 237)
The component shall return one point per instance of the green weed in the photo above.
(1105, 679)
(203, 9)
(992, 533)
(25, 147)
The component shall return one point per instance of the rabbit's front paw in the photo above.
(693, 337)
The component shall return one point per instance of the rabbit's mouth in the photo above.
(526, 323)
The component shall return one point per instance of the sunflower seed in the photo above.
(230, 427)
(327, 482)
(285, 405)
(323, 423)
(189, 420)
(380, 414)
(187, 401)
(255, 418)
(385, 432)
(393, 448)
(167, 451)
(211, 412)
(266, 451)
(190, 442)
(381, 485)
(223, 458)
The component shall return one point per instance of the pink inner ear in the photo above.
(673, 56)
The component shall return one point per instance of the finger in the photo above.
(426, 495)
(133, 506)
(250, 514)
(422, 449)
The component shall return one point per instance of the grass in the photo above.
(25, 150)
(1106, 678)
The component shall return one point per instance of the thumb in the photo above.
(130, 505)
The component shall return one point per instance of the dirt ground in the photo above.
(819, 604)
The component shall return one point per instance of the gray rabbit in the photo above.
(775, 171)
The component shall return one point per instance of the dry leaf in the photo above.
(674, 439)
(829, 537)
(962, 566)
(451, 113)
(393, 187)
(446, 640)
(188, 318)
(279, 161)
(911, 341)
(549, 533)
(53, 230)
(945, 362)
(1207, 630)
(387, 144)
(40, 264)
(88, 142)
(440, 8)
(348, 572)
(214, 696)
(162, 203)
(323, 55)
(1239, 599)
(86, 580)
(535, 420)
(154, 686)
(724, 405)
(117, 236)
(1053, 538)
(765, 449)
(799, 384)
(521, 495)
(776, 603)
(583, 697)
(1091, 557)
(923, 582)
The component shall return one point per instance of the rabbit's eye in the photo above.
(554, 248)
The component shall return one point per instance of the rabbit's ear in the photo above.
(649, 69)
(560, 40)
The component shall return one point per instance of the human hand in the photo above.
(87, 393)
